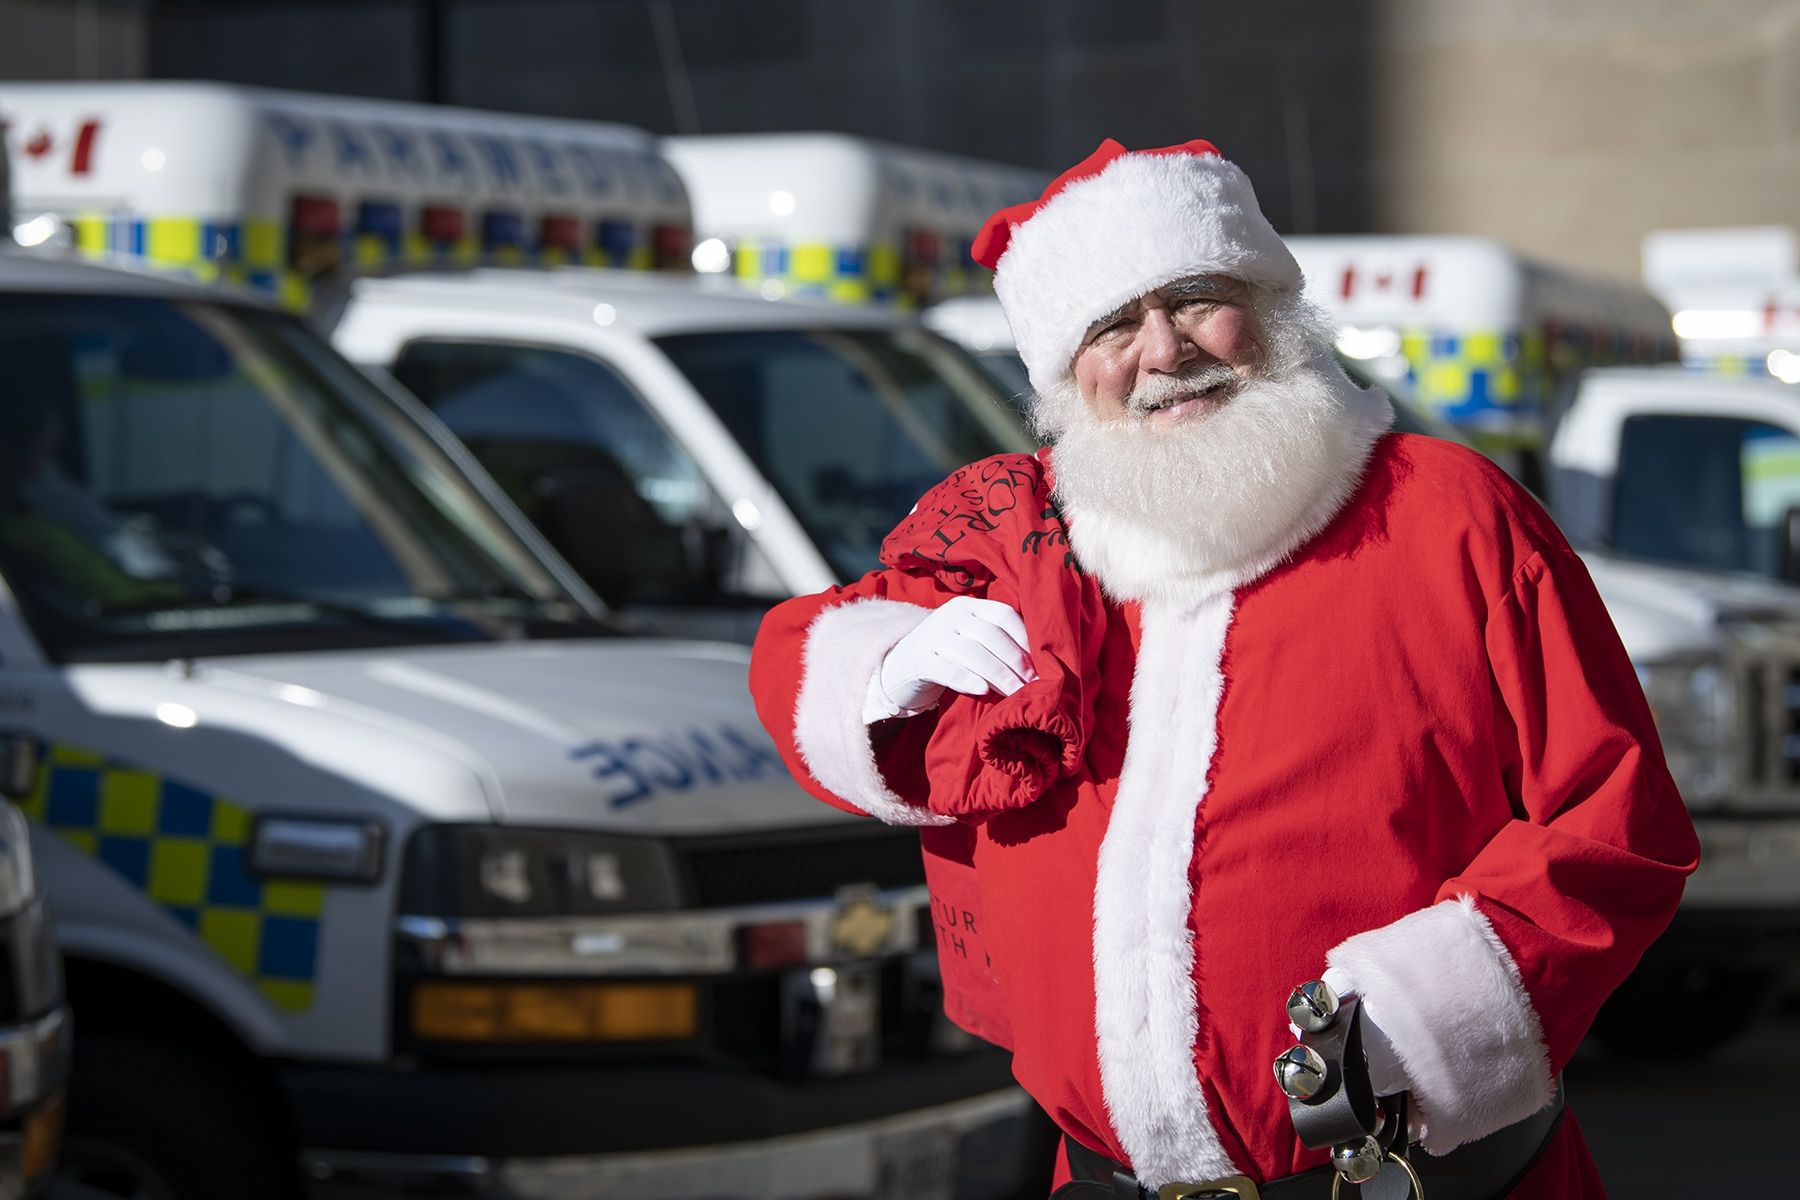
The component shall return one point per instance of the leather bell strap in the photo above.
(1345, 1108)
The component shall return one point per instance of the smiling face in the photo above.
(1181, 351)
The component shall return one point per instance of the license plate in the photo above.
(920, 1165)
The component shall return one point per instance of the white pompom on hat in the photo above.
(1115, 226)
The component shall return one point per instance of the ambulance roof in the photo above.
(1462, 283)
(653, 305)
(208, 148)
(835, 188)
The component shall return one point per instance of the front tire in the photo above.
(155, 1121)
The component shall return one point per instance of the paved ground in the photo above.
(1727, 1126)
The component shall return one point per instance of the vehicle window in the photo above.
(584, 457)
(191, 471)
(1705, 492)
(850, 426)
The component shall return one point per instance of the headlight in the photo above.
(1692, 703)
(18, 875)
(489, 871)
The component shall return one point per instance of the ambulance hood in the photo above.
(639, 735)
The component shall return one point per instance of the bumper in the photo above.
(970, 1149)
(34, 1074)
(1747, 864)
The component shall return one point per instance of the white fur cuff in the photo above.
(844, 648)
(1447, 993)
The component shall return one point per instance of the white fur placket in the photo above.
(1146, 1012)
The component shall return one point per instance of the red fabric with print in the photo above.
(990, 530)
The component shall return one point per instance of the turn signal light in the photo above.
(457, 1011)
(43, 1136)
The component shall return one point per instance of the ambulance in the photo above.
(1476, 333)
(277, 190)
(1736, 297)
(844, 218)
(383, 856)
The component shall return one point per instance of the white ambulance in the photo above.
(278, 189)
(1735, 293)
(380, 858)
(1476, 333)
(844, 218)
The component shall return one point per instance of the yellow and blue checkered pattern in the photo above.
(255, 252)
(858, 274)
(185, 850)
(1500, 384)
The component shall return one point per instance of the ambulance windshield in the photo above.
(852, 426)
(183, 478)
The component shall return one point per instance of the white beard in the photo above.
(1181, 511)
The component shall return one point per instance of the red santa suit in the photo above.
(1401, 741)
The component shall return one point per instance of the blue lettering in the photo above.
(293, 136)
(401, 149)
(591, 167)
(757, 758)
(349, 148)
(450, 157)
(679, 776)
(549, 170)
(501, 163)
(705, 756)
(611, 766)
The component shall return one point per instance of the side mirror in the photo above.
(1790, 545)
(18, 766)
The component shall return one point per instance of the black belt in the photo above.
(1486, 1169)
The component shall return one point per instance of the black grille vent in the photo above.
(802, 864)
(1790, 726)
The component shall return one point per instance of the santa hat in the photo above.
(1115, 226)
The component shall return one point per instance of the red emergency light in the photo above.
(559, 231)
(672, 247)
(314, 216)
(920, 252)
(314, 244)
(442, 225)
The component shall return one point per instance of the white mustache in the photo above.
(1161, 390)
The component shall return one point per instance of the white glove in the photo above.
(966, 645)
(1385, 1072)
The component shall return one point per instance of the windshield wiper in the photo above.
(234, 596)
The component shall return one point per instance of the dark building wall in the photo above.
(1280, 86)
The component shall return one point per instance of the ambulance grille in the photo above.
(1767, 663)
(801, 864)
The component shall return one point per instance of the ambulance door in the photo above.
(603, 477)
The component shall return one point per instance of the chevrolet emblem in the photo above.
(861, 927)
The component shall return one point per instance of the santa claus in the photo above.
(1294, 697)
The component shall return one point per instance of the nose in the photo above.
(1164, 347)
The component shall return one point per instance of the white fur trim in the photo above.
(1447, 993)
(1144, 221)
(1135, 561)
(844, 649)
(1145, 1009)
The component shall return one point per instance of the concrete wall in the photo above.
(1570, 127)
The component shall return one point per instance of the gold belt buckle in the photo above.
(1241, 1186)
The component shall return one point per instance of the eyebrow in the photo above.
(1202, 287)
(1205, 286)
